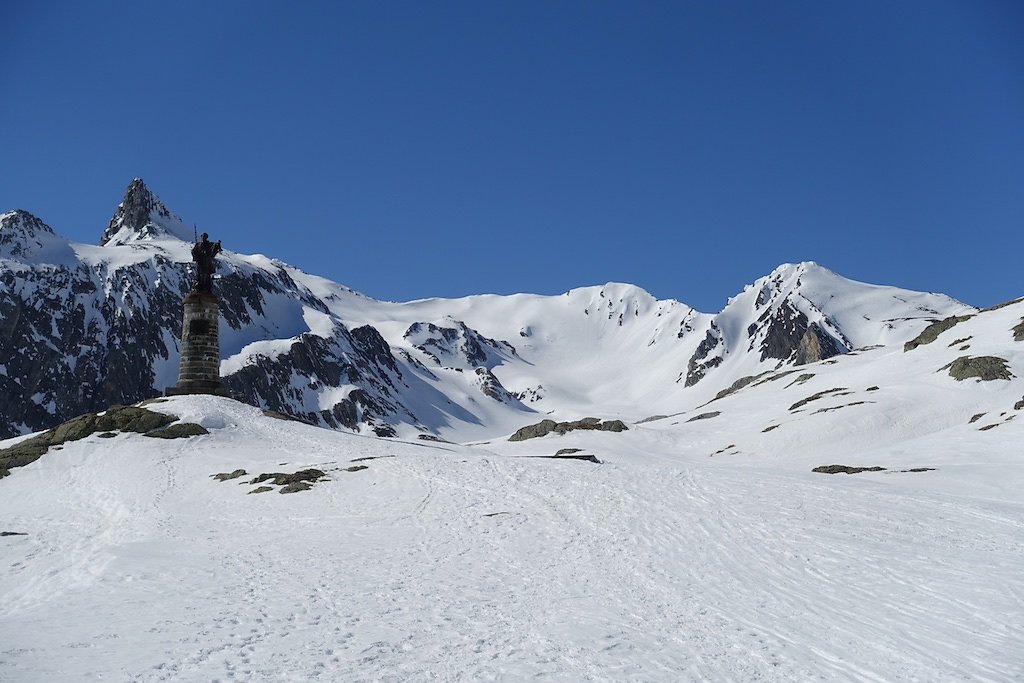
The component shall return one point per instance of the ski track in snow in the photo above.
(458, 564)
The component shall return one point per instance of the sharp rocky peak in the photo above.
(141, 216)
(19, 219)
(24, 236)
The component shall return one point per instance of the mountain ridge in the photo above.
(106, 320)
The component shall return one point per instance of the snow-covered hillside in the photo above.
(417, 561)
(86, 326)
(695, 541)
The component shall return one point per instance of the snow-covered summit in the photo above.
(108, 330)
(142, 216)
(27, 239)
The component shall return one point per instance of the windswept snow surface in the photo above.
(445, 562)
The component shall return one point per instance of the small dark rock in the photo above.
(705, 416)
(770, 428)
(567, 451)
(975, 418)
(814, 397)
(226, 476)
(13, 533)
(844, 469)
(277, 415)
(356, 468)
(872, 389)
(801, 379)
(575, 456)
(296, 487)
(919, 469)
(261, 489)
(182, 430)
(107, 435)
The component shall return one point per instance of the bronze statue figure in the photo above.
(204, 254)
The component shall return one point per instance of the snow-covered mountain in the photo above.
(822, 481)
(82, 327)
(705, 545)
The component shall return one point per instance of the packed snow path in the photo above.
(449, 563)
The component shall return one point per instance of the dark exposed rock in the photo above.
(838, 391)
(770, 428)
(705, 416)
(932, 332)
(737, 385)
(360, 357)
(262, 489)
(844, 469)
(983, 368)
(227, 476)
(577, 456)
(356, 468)
(817, 345)
(545, 427)
(458, 345)
(786, 334)
(1002, 305)
(121, 418)
(874, 388)
(700, 363)
(801, 379)
(542, 428)
(975, 418)
(1018, 331)
(845, 405)
(284, 416)
(919, 469)
(492, 388)
(1019, 405)
(12, 533)
(282, 479)
(181, 430)
(567, 451)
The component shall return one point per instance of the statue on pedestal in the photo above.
(204, 253)
(199, 366)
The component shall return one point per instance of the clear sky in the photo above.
(427, 149)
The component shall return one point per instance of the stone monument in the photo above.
(199, 370)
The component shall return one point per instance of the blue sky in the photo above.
(442, 149)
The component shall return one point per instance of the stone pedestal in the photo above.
(199, 371)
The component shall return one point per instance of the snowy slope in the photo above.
(444, 562)
(86, 326)
(615, 351)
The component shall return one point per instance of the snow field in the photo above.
(442, 562)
